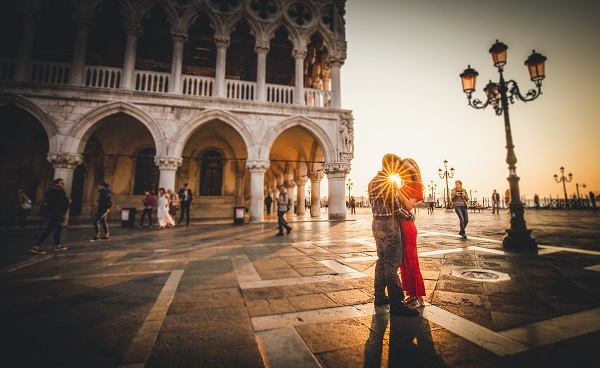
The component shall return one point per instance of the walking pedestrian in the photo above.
(162, 210)
(21, 210)
(268, 203)
(410, 271)
(57, 203)
(430, 204)
(536, 201)
(387, 212)
(352, 205)
(460, 198)
(105, 203)
(593, 199)
(185, 198)
(283, 205)
(496, 202)
(148, 202)
(173, 204)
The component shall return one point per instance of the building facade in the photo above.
(234, 97)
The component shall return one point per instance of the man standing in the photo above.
(282, 208)
(386, 207)
(185, 198)
(57, 204)
(268, 203)
(430, 204)
(105, 203)
(496, 202)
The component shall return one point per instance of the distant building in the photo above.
(232, 97)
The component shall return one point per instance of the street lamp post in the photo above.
(349, 185)
(432, 187)
(564, 181)
(499, 95)
(446, 174)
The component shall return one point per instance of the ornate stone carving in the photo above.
(300, 14)
(347, 134)
(65, 160)
(262, 45)
(301, 180)
(316, 175)
(168, 163)
(181, 34)
(263, 9)
(221, 40)
(257, 165)
(299, 53)
(336, 169)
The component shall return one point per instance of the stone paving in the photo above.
(224, 295)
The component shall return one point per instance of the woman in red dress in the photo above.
(412, 193)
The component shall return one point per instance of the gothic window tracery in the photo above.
(264, 9)
(300, 14)
(226, 6)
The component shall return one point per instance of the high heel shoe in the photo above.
(417, 303)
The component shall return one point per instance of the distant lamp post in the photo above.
(349, 185)
(446, 174)
(499, 95)
(432, 187)
(564, 181)
(577, 186)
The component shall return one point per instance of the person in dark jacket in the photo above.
(104, 205)
(57, 204)
(185, 202)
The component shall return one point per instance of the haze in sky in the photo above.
(401, 79)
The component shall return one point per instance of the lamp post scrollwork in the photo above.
(564, 180)
(446, 174)
(500, 95)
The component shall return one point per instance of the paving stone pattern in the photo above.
(224, 295)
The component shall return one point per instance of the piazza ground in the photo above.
(223, 295)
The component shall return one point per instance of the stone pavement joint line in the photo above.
(284, 347)
(142, 343)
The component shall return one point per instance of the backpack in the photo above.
(289, 204)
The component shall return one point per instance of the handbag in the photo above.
(43, 212)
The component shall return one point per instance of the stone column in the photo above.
(222, 43)
(239, 187)
(336, 175)
(301, 186)
(261, 49)
(64, 165)
(257, 170)
(179, 38)
(133, 32)
(292, 194)
(30, 20)
(77, 73)
(168, 168)
(336, 88)
(299, 55)
(315, 193)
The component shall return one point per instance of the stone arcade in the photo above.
(232, 97)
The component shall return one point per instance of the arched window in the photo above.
(146, 172)
(211, 174)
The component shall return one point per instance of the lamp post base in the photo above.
(519, 240)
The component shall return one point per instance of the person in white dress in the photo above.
(162, 210)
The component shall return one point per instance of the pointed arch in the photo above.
(77, 137)
(188, 129)
(39, 113)
(319, 134)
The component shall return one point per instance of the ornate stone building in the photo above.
(233, 97)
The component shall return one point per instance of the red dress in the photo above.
(412, 280)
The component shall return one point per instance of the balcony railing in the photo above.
(158, 82)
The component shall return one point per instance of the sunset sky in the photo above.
(401, 79)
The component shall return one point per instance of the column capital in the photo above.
(299, 52)
(315, 175)
(337, 59)
(179, 34)
(132, 28)
(262, 46)
(301, 180)
(257, 166)
(221, 40)
(336, 169)
(64, 160)
(168, 163)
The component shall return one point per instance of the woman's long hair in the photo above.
(409, 171)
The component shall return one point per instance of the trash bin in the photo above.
(128, 217)
(238, 215)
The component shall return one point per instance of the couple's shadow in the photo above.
(407, 343)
